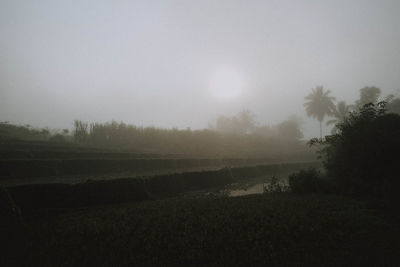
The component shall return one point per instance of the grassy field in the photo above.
(256, 230)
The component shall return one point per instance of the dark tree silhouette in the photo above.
(319, 104)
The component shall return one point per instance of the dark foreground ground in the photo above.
(256, 230)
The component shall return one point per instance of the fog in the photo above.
(183, 63)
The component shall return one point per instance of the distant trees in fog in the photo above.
(80, 131)
(244, 123)
(25, 132)
(319, 104)
(289, 129)
(243, 142)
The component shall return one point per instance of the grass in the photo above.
(257, 230)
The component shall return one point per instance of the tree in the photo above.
(319, 104)
(368, 94)
(224, 124)
(242, 123)
(340, 112)
(245, 121)
(362, 157)
(290, 129)
(80, 131)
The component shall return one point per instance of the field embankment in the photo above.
(99, 192)
(13, 172)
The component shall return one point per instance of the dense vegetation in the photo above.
(264, 230)
(361, 156)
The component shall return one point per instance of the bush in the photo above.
(275, 186)
(363, 156)
(309, 181)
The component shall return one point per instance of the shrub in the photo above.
(309, 181)
(275, 186)
(363, 156)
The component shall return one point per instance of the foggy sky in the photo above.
(152, 62)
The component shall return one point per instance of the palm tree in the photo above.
(319, 104)
(340, 113)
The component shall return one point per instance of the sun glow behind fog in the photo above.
(226, 83)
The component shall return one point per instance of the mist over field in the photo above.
(199, 133)
(184, 63)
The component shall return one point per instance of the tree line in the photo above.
(238, 135)
(118, 135)
(244, 123)
(319, 103)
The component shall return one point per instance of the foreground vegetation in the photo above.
(257, 230)
(360, 159)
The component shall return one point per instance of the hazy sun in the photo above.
(226, 83)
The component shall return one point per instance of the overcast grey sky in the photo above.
(182, 63)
